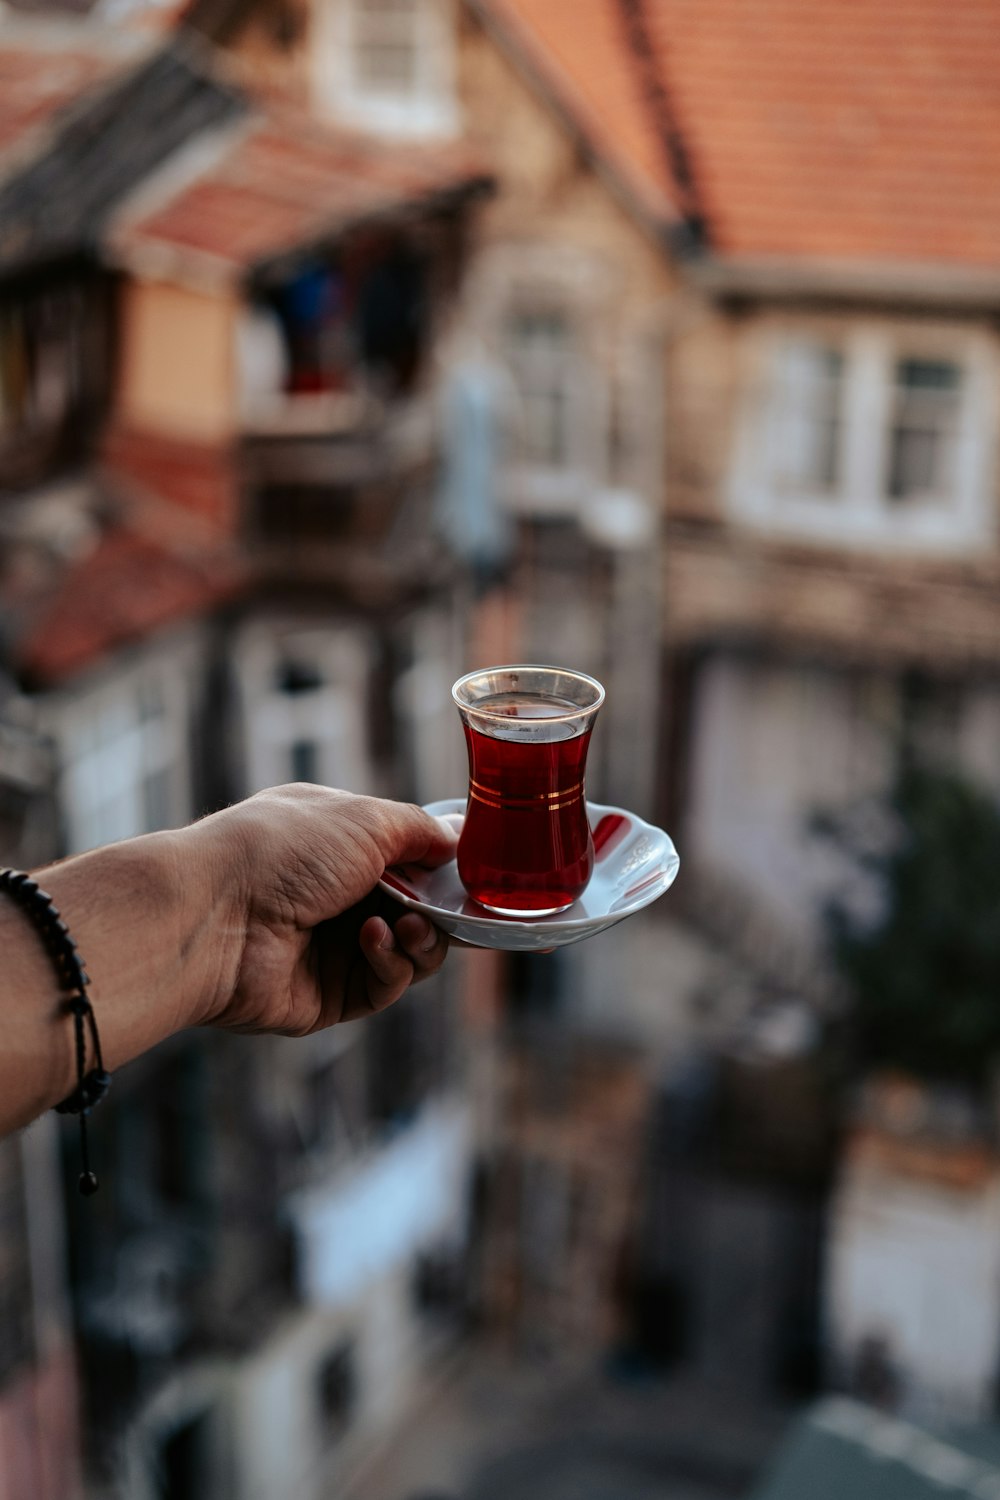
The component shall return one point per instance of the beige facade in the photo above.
(177, 361)
(639, 374)
(566, 233)
(551, 188)
(886, 585)
(561, 238)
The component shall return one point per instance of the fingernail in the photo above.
(428, 940)
(386, 942)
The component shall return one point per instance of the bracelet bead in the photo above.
(92, 1086)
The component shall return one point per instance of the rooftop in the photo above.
(120, 590)
(159, 157)
(280, 182)
(60, 186)
(156, 157)
(847, 131)
(37, 81)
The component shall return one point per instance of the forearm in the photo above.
(157, 932)
(229, 922)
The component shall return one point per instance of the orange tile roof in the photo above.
(195, 483)
(284, 182)
(847, 129)
(122, 591)
(37, 81)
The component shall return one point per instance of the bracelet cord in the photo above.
(73, 978)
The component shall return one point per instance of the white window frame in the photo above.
(557, 489)
(107, 751)
(538, 276)
(860, 513)
(333, 716)
(428, 109)
(563, 489)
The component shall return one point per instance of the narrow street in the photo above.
(505, 1431)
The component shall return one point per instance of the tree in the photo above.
(925, 973)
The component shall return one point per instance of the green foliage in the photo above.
(926, 977)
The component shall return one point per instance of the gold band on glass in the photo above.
(541, 801)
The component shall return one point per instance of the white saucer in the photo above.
(634, 864)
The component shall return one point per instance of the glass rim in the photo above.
(484, 713)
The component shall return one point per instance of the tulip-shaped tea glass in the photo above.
(526, 848)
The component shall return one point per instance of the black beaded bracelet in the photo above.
(90, 1087)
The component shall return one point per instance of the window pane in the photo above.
(385, 45)
(372, 15)
(15, 376)
(541, 356)
(304, 761)
(541, 331)
(923, 437)
(928, 375)
(805, 422)
(40, 363)
(336, 1389)
(295, 676)
(389, 68)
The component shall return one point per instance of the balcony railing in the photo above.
(339, 441)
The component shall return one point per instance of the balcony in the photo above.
(340, 492)
(337, 441)
(408, 1194)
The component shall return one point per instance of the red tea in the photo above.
(526, 847)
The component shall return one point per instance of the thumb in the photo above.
(408, 835)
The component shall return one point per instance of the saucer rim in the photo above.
(448, 806)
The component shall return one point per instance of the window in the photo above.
(387, 65)
(806, 419)
(125, 757)
(438, 1284)
(305, 698)
(183, 1462)
(870, 435)
(301, 681)
(561, 421)
(41, 359)
(386, 40)
(541, 355)
(924, 429)
(304, 760)
(341, 324)
(336, 1389)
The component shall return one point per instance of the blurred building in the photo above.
(740, 296)
(774, 320)
(739, 290)
(912, 1266)
(555, 360)
(712, 388)
(221, 444)
(565, 1183)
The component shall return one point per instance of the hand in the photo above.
(312, 943)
